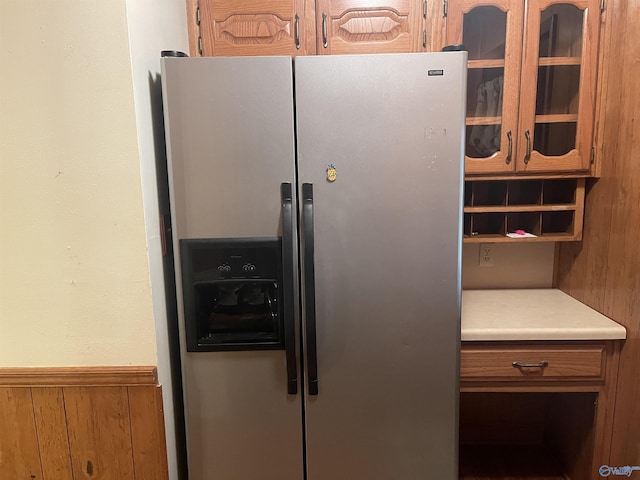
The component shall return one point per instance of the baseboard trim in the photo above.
(78, 376)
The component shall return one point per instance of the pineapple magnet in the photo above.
(332, 173)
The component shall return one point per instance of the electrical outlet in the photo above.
(486, 255)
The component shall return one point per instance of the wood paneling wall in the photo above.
(604, 270)
(77, 423)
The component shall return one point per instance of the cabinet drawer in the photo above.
(532, 362)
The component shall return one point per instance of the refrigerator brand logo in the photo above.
(435, 73)
(626, 471)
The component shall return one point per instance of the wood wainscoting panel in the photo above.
(147, 433)
(99, 432)
(19, 457)
(80, 376)
(53, 440)
(95, 423)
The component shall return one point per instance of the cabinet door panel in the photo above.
(19, 456)
(99, 432)
(491, 32)
(254, 27)
(558, 85)
(369, 26)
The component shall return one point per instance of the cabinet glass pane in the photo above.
(553, 139)
(484, 111)
(483, 140)
(484, 92)
(561, 31)
(558, 88)
(485, 33)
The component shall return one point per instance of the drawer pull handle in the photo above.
(530, 365)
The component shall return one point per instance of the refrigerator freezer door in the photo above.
(229, 125)
(380, 137)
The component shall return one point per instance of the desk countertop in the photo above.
(544, 314)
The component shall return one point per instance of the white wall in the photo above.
(74, 277)
(155, 25)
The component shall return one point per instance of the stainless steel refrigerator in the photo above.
(317, 211)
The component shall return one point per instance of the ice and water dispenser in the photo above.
(232, 294)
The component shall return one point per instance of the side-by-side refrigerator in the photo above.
(317, 212)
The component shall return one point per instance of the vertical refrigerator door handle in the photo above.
(309, 287)
(287, 288)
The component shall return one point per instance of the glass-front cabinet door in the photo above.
(491, 31)
(558, 86)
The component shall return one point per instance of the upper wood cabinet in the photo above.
(370, 26)
(307, 27)
(250, 27)
(531, 84)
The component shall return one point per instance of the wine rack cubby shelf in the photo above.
(550, 209)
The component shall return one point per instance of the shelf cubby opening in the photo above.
(468, 194)
(491, 193)
(488, 224)
(525, 192)
(559, 192)
(530, 222)
(467, 225)
(557, 222)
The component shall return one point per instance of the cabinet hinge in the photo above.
(198, 15)
(445, 7)
(602, 5)
(424, 9)
(424, 38)
(200, 45)
(593, 155)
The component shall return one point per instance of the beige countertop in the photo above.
(544, 314)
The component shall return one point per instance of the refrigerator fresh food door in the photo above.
(229, 124)
(380, 151)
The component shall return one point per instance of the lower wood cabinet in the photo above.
(102, 423)
(536, 410)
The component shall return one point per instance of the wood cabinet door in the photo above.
(491, 31)
(255, 27)
(558, 86)
(369, 26)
